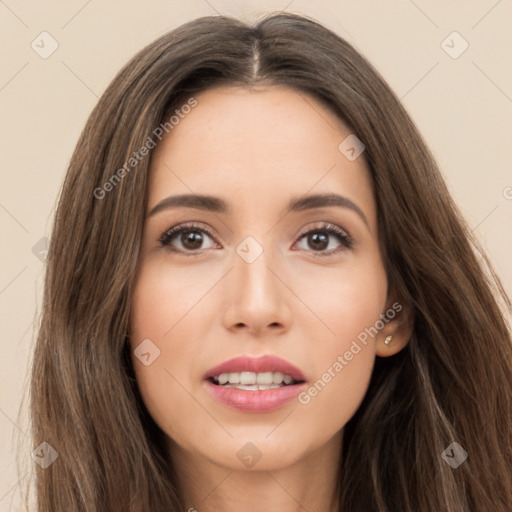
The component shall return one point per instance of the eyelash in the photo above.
(324, 227)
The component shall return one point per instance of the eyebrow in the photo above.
(217, 205)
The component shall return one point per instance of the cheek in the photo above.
(334, 395)
(347, 302)
(346, 299)
(167, 309)
(164, 295)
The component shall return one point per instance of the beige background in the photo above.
(463, 107)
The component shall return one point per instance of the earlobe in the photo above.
(390, 345)
(395, 335)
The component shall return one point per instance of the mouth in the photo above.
(251, 381)
(255, 384)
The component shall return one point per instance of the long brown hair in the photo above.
(452, 383)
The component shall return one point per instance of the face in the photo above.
(257, 271)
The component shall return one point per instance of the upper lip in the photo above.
(260, 364)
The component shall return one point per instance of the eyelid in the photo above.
(178, 228)
(345, 239)
(342, 234)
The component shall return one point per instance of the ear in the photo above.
(397, 330)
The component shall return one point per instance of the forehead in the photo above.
(258, 147)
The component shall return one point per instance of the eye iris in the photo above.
(191, 239)
(318, 240)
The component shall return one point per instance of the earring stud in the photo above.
(387, 341)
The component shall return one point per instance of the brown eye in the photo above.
(318, 241)
(191, 239)
(325, 240)
(186, 239)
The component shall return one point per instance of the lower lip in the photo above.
(255, 401)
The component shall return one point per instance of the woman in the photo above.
(261, 296)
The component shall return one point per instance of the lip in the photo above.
(255, 401)
(261, 364)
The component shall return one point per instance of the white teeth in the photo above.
(223, 378)
(252, 380)
(266, 378)
(254, 387)
(278, 377)
(234, 378)
(287, 379)
(247, 378)
(251, 387)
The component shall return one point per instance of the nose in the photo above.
(258, 300)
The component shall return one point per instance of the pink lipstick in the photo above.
(255, 384)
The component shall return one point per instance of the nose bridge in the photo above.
(258, 298)
(255, 282)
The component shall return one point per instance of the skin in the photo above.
(203, 309)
